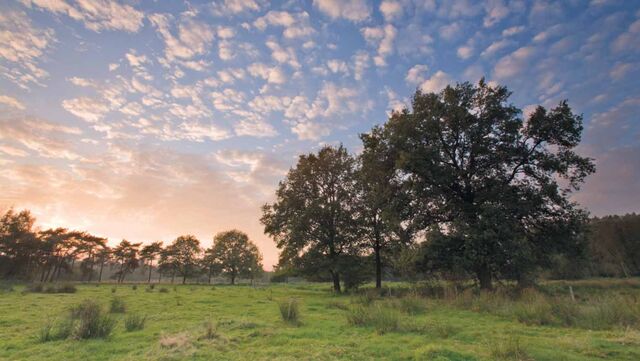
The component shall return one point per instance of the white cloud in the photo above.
(97, 15)
(416, 74)
(254, 128)
(384, 38)
(465, 52)
(513, 30)
(193, 37)
(360, 63)
(437, 82)
(198, 132)
(11, 102)
(22, 45)
(450, 31)
(391, 10)
(496, 11)
(514, 63)
(88, 109)
(225, 32)
(620, 70)
(309, 130)
(628, 41)
(295, 25)
(338, 66)
(273, 75)
(283, 55)
(234, 7)
(353, 10)
(495, 47)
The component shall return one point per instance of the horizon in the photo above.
(145, 121)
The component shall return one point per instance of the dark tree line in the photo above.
(484, 192)
(30, 254)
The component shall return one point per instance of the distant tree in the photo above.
(491, 188)
(103, 255)
(167, 264)
(313, 219)
(185, 251)
(89, 246)
(126, 255)
(235, 255)
(149, 253)
(18, 243)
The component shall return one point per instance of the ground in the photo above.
(246, 324)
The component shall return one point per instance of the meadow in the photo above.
(308, 322)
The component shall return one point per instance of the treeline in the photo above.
(613, 250)
(30, 254)
(459, 186)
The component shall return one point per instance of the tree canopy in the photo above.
(233, 255)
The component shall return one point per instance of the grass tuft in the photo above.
(290, 311)
(134, 322)
(117, 305)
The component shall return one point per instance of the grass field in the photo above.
(198, 322)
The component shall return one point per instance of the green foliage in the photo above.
(134, 322)
(312, 218)
(234, 255)
(289, 311)
(509, 349)
(163, 290)
(51, 288)
(91, 321)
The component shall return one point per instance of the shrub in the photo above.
(51, 331)
(134, 322)
(35, 287)
(113, 289)
(134, 287)
(163, 290)
(210, 331)
(289, 311)
(117, 305)
(92, 323)
(152, 286)
(66, 288)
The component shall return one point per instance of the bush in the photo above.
(163, 290)
(289, 311)
(117, 305)
(411, 305)
(34, 287)
(113, 290)
(152, 286)
(92, 323)
(134, 322)
(134, 287)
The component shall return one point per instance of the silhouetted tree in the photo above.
(149, 253)
(126, 255)
(313, 219)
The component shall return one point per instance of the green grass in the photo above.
(240, 322)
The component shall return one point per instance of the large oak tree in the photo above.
(493, 188)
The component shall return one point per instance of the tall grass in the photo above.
(134, 322)
(290, 311)
(382, 319)
(117, 305)
(92, 322)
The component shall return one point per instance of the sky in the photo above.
(146, 120)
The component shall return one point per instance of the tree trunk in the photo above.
(100, 276)
(184, 278)
(484, 277)
(150, 268)
(336, 282)
(210, 271)
(233, 279)
(377, 250)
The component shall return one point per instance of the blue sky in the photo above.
(149, 119)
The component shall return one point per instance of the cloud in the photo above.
(88, 109)
(465, 52)
(496, 11)
(47, 139)
(620, 70)
(513, 30)
(437, 82)
(11, 102)
(353, 10)
(514, 63)
(258, 128)
(273, 75)
(234, 7)
(361, 62)
(391, 10)
(629, 41)
(310, 130)
(450, 31)
(383, 38)
(193, 37)
(495, 47)
(97, 15)
(283, 55)
(22, 45)
(295, 25)
(416, 74)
